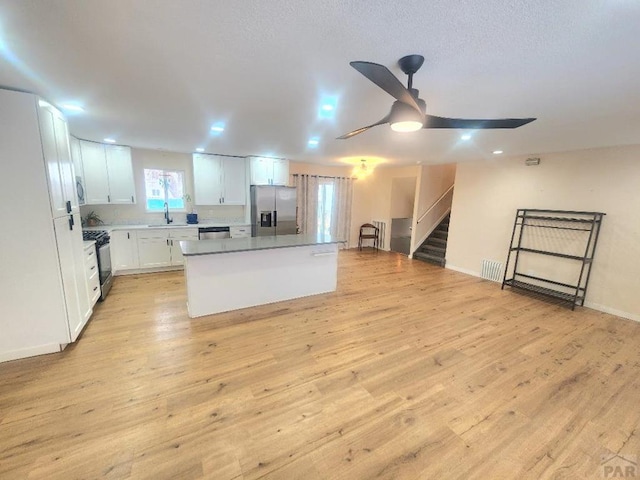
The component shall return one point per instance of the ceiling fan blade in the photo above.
(363, 129)
(382, 77)
(444, 122)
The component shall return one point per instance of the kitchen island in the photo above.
(233, 273)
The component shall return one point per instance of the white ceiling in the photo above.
(158, 73)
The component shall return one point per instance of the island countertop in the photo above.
(228, 245)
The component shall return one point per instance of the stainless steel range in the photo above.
(103, 250)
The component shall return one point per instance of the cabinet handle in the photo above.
(132, 200)
(68, 206)
(222, 199)
(95, 288)
(128, 236)
(71, 222)
(167, 242)
(93, 267)
(109, 198)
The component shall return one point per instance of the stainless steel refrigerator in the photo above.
(273, 210)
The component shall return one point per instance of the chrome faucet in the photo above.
(166, 213)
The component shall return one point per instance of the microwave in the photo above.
(80, 190)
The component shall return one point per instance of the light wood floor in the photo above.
(408, 371)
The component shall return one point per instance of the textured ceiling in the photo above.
(158, 73)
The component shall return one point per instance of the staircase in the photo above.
(434, 247)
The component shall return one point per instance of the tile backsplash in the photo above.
(131, 214)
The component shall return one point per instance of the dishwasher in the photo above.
(206, 233)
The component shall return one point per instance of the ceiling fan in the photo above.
(408, 112)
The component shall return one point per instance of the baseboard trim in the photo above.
(29, 352)
(612, 311)
(466, 271)
(593, 306)
(137, 271)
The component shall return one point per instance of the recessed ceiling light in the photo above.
(497, 152)
(313, 142)
(200, 149)
(217, 128)
(110, 140)
(328, 105)
(72, 108)
(466, 136)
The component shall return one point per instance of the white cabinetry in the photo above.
(153, 248)
(240, 232)
(280, 172)
(76, 156)
(57, 155)
(160, 247)
(92, 273)
(174, 242)
(124, 250)
(219, 180)
(122, 188)
(108, 174)
(96, 178)
(39, 186)
(269, 171)
(76, 159)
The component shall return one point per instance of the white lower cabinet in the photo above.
(160, 247)
(240, 232)
(92, 273)
(153, 248)
(174, 241)
(124, 250)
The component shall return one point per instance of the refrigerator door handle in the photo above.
(275, 218)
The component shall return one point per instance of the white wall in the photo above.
(487, 194)
(137, 214)
(403, 194)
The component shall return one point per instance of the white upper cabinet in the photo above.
(96, 179)
(108, 174)
(219, 180)
(261, 171)
(121, 185)
(207, 179)
(235, 181)
(76, 156)
(280, 172)
(57, 156)
(269, 171)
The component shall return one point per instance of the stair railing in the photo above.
(431, 218)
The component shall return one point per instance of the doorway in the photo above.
(403, 193)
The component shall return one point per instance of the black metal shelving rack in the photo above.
(584, 228)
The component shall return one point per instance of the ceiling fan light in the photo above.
(406, 126)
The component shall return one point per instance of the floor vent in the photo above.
(491, 270)
(382, 232)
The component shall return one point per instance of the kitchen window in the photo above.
(163, 186)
